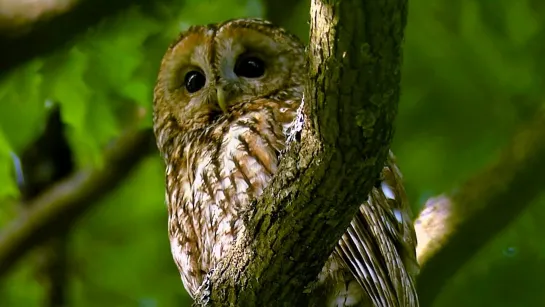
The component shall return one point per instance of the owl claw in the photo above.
(205, 291)
(294, 129)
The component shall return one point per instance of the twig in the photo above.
(482, 207)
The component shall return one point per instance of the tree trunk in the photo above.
(350, 104)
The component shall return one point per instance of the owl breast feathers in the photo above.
(225, 94)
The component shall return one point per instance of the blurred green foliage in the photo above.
(473, 72)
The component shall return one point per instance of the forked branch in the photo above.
(350, 103)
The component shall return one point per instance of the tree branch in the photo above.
(47, 35)
(49, 151)
(481, 208)
(351, 102)
(17, 16)
(70, 198)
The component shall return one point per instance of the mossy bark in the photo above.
(350, 104)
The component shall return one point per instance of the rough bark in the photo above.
(350, 105)
(483, 206)
(339, 91)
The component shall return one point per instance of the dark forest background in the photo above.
(474, 72)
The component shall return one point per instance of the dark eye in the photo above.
(249, 67)
(194, 81)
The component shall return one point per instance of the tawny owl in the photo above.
(224, 97)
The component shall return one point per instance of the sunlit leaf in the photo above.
(22, 105)
(8, 186)
(69, 89)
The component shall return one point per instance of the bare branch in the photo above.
(351, 102)
(482, 207)
(434, 226)
(70, 198)
(17, 16)
(47, 35)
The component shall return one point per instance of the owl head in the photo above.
(211, 71)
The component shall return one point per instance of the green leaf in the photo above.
(138, 92)
(70, 90)
(7, 183)
(522, 22)
(22, 105)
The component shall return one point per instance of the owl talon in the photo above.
(205, 291)
(294, 129)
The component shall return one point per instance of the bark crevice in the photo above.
(350, 104)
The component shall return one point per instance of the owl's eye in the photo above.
(249, 67)
(194, 81)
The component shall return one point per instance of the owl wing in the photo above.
(379, 246)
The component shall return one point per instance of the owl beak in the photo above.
(221, 99)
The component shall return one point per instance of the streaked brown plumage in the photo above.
(225, 95)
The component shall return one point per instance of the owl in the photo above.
(224, 98)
